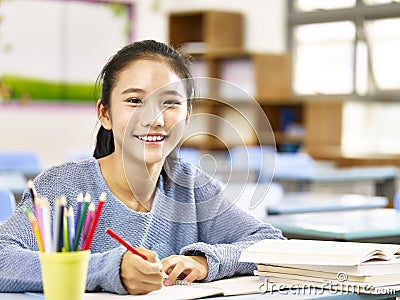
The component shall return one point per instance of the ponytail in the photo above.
(104, 143)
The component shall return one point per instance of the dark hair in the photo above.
(147, 49)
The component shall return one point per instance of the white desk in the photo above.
(301, 202)
(288, 294)
(383, 178)
(365, 225)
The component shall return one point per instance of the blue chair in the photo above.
(26, 162)
(7, 204)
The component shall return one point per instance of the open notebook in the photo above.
(225, 287)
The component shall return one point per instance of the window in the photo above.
(383, 36)
(345, 47)
(351, 48)
(376, 2)
(324, 56)
(310, 5)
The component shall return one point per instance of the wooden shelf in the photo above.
(222, 53)
(212, 30)
(215, 40)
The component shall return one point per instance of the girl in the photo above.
(166, 207)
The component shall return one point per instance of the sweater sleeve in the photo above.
(224, 237)
(20, 265)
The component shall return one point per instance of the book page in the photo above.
(316, 252)
(231, 286)
(369, 268)
(173, 292)
(241, 285)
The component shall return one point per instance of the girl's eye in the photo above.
(134, 101)
(172, 103)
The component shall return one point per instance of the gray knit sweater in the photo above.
(188, 216)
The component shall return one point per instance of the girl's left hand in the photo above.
(188, 268)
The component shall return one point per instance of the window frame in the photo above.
(358, 14)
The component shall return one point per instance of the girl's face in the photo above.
(148, 111)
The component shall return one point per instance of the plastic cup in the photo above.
(64, 274)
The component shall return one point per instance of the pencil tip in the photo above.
(88, 198)
(80, 197)
(103, 196)
(63, 200)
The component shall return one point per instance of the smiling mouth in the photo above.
(151, 138)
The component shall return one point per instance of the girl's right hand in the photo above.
(140, 276)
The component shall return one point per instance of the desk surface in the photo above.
(300, 202)
(285, 294)
(346, 174)
(341, 225)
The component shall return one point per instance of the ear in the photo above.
(103, 115)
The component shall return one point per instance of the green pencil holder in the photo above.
(64, 274)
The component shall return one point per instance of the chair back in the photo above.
(26, 162)
(7, 204)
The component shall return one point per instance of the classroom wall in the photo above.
(52, 131)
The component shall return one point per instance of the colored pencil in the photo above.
(71, 226)
(82, 218)
(88, 221)
(39, 217)
(131, 249)
(35, 227)
(58, 223)
(32, 190)
(62, 236)
(79, 201)
(65, 230)
(124, 243)
(44, 208)
(36, 204)
(93, 226)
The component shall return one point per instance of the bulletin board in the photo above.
(54, 50)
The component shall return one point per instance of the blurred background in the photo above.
(325, 73)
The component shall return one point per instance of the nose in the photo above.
(152, 116)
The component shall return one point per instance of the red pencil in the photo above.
(124, 243)
(95, 221)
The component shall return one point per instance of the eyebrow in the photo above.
(138, 90)
(172, 93)
(132, 90)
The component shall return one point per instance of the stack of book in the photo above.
(343, 266)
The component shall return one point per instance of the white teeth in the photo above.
(152, 138)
